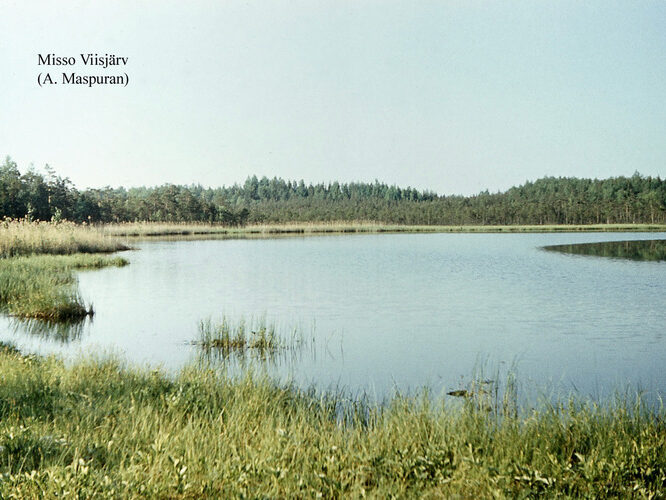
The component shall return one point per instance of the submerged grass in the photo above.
(99, 429)
(238, 338)
(23, 237)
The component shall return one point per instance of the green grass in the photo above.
(37, 260)
(99, 429)
(44, 287)
(256, 337)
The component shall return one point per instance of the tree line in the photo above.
(550, 200)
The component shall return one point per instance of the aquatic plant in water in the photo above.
(256, 337)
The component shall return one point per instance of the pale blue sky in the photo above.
(454, 96)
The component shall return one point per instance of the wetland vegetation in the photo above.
(100, 429)
(23, 237)
(44, 287)
(258, 336)
(37, 264)
(189, 230)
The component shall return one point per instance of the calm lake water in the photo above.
(389, 311)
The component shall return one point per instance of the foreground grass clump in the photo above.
(101, 430)
(44, 287)
(23, 237)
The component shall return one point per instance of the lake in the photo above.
(387, 311)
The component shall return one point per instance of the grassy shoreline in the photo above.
(22, 238)
(37, 264)
(104, 430)
(156, 230)
(45, 289)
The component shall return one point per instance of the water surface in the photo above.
(388, 311)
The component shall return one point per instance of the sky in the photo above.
(452, 96)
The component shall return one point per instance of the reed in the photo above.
(22, 237)
(256, 337)
(101, 429)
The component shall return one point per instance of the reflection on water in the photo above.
(648, 250)
(62, 332)
(259, 359)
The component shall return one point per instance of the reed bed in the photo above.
(100, 429)
(22, 237)
(37, 260)
(149, 229)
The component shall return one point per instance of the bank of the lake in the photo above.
(156, 229)
(37, 264)
(100, 429)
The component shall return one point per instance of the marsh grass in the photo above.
(148, 229)
(44, 286)
(100, 429)
(23, 237)
(256, 337)
(37, 260)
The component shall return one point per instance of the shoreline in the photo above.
(157, 230)
(103, 428)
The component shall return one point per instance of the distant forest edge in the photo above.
(618, 200)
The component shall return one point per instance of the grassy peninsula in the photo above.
(37, 260)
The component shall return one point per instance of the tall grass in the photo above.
(99, 429)
(255, 336)
(34, 285)
(23, 237)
